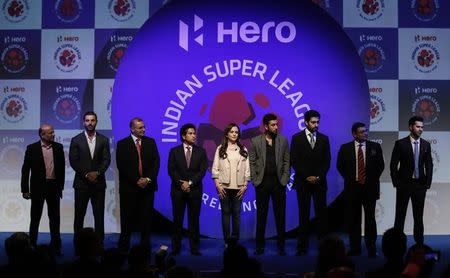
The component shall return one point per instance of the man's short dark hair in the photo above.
(269, 117)
(414, 119)
(357, 125)
(89, 113)
(184, 130)
(311, 114)
(135, 119)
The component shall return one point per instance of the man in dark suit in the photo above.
(310, 159)
(138, 164)
(187, 166)
(360, 163)
(45, 160)
(270, 173)
(89, 157)
(413, 177)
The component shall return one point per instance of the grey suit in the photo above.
(270, 183)
(258, 159)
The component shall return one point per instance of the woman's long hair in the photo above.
(224, 144)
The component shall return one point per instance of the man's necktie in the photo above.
(312, 141)
(416, 159)
(138, 147)
(188, 156)
(361, 166)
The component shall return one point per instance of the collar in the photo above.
(357, 143)
(135, 138)
(87, 136)
(309, 132)
(413, 140)
(186, 145)
(46, 146)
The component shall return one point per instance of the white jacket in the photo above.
(221, 169)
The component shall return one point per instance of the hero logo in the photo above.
(247, 32)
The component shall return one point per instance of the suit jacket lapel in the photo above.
(41, 154)
(183, 156)
(353, 155)
(410, 148)
(263, 148)
(85, 145)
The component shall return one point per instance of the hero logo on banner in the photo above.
(247, 32)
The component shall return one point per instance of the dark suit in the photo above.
(310, 162)
(357, 194)
(43, 190)
(82, 163)
(178, 170)
(136, 203)
(407, 187)
(270, 185)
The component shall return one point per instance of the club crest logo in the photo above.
(377, 109)
(15, 10)
(425, 58)
(372, 57)
(425, 10)
(370, 10)
(67, 57)
(122, 10)
(426, 107)
(15, 58)
(68, 11)
(115, 54)
(14, 108)
(67, 108)
(11, 158)
(12, 211)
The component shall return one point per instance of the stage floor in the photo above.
(212, 250)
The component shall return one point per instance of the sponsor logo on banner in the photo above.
(11, 157)
(15, 58)
(246, 32)
(68, 11)
(108, 107)
(115, 54)
(15, 10)
(67, 108)
(425, 57)
(122, 10)
(425, 10)
(14, 108)
(12, 211)
(370, 10)
(372, 56)
(377, 109)
(67, 57)
(427, 107)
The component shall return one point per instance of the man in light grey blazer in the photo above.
(270, 173)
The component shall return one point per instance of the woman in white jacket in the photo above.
(231, 173)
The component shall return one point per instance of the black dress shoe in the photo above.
(301, 253)
(195, 253)
(258, 251)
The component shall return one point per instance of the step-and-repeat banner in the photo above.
(60, 59)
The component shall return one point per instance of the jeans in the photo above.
(231, 206)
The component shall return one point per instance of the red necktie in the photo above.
(361, 166)
(138, 147)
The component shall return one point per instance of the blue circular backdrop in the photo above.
(216, 62)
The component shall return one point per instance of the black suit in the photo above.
(306, 162)
(42, 190)
(82, 163)
(408, 187)
(136, 203)
(178, 170)
(365, 194)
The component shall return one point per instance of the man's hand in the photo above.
(312, 179)
(26, 195)
(92, 176)
(142, 182)
(185, 186)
